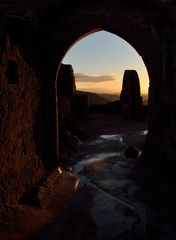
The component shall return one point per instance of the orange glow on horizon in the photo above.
(111, 87)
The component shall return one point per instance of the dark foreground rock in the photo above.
(131, 152)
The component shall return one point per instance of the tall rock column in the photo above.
(66, 89)
(130, 97)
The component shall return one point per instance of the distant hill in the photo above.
(103, 98)
(110, 97)
(99, 98)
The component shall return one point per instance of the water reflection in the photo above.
(111, 146)
(111, 137)
(103, 167)
(99, 157)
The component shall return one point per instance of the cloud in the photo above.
(80, 77)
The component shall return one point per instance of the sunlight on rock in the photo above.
(77, 184)
(70, 180)
(59, 170)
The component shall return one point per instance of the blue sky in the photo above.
(99, 61)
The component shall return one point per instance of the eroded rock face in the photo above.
(20, 166)
(131, 99)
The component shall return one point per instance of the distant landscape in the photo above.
(103, 98)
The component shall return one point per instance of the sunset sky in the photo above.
(99, 61)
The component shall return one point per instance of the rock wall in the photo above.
(20, 166)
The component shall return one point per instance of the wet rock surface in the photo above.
(129, 200)
(117, 209)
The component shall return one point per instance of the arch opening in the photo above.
(105, 77)
(82, 21)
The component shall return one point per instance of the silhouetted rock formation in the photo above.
(131, 99)
(69, 102)
(131, 152)
(108, 108)
(81, 105)
(70, 107)
(66, 89)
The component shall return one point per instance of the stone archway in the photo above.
(41, 32)
(73, 26)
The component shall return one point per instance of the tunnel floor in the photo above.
(117, 210)
(109, 203)
(124, 199)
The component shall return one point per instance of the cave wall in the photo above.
(20, 165)
(161, 140)
(148, 26)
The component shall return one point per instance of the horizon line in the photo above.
(118, 93)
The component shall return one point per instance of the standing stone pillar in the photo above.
(130, 97)
(66, 89)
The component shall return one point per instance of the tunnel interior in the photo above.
(34, 39)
